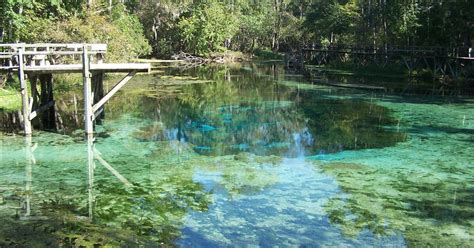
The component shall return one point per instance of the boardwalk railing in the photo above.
(443, 61)
(38, 62)
(47, 54)
(454, 52)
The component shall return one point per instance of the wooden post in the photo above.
(24, 94)
(116, 88)
(76, 119)
(88, 113)
(98, 86)
(48, 118)
(34, 90)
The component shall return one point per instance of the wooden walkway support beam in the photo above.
(114, 90)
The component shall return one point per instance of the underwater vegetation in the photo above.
(68, 205)
(422, 188)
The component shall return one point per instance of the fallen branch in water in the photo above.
(189, 58)
(193, 59)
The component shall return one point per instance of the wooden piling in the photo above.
(34, 95)
(48, 117)
(88, 113)
(98, 86)
(24, 94)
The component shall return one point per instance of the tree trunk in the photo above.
(20, 12)
(276, 31)
(374, 41)
(385, 25)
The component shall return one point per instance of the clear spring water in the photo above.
(245, 155)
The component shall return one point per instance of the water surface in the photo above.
(245, 155)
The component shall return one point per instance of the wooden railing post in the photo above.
(88, 113)
(24, 94)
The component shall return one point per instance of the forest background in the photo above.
(161, 28)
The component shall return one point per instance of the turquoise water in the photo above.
(245, 155)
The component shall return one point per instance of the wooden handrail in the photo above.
(44, 52)
(78, 46)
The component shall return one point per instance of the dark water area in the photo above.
(244, 155)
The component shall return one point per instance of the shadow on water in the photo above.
(434, 129)
(418, 89)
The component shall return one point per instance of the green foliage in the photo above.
(255, 29)
(203, 26)
(48, 22)
(207, 27)
(378, 23)
(268, 54)
(291, 32)
(130, 27)
(9, 100)
(328, 16)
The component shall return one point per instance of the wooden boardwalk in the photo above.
(36, 63)
(442, 61)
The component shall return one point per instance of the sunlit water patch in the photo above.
(290, 213)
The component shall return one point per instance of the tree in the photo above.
(207, 26)
(329, 19)
(70, 21)
(256, 26)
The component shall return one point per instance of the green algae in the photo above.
(301, 86)
(427, 210)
